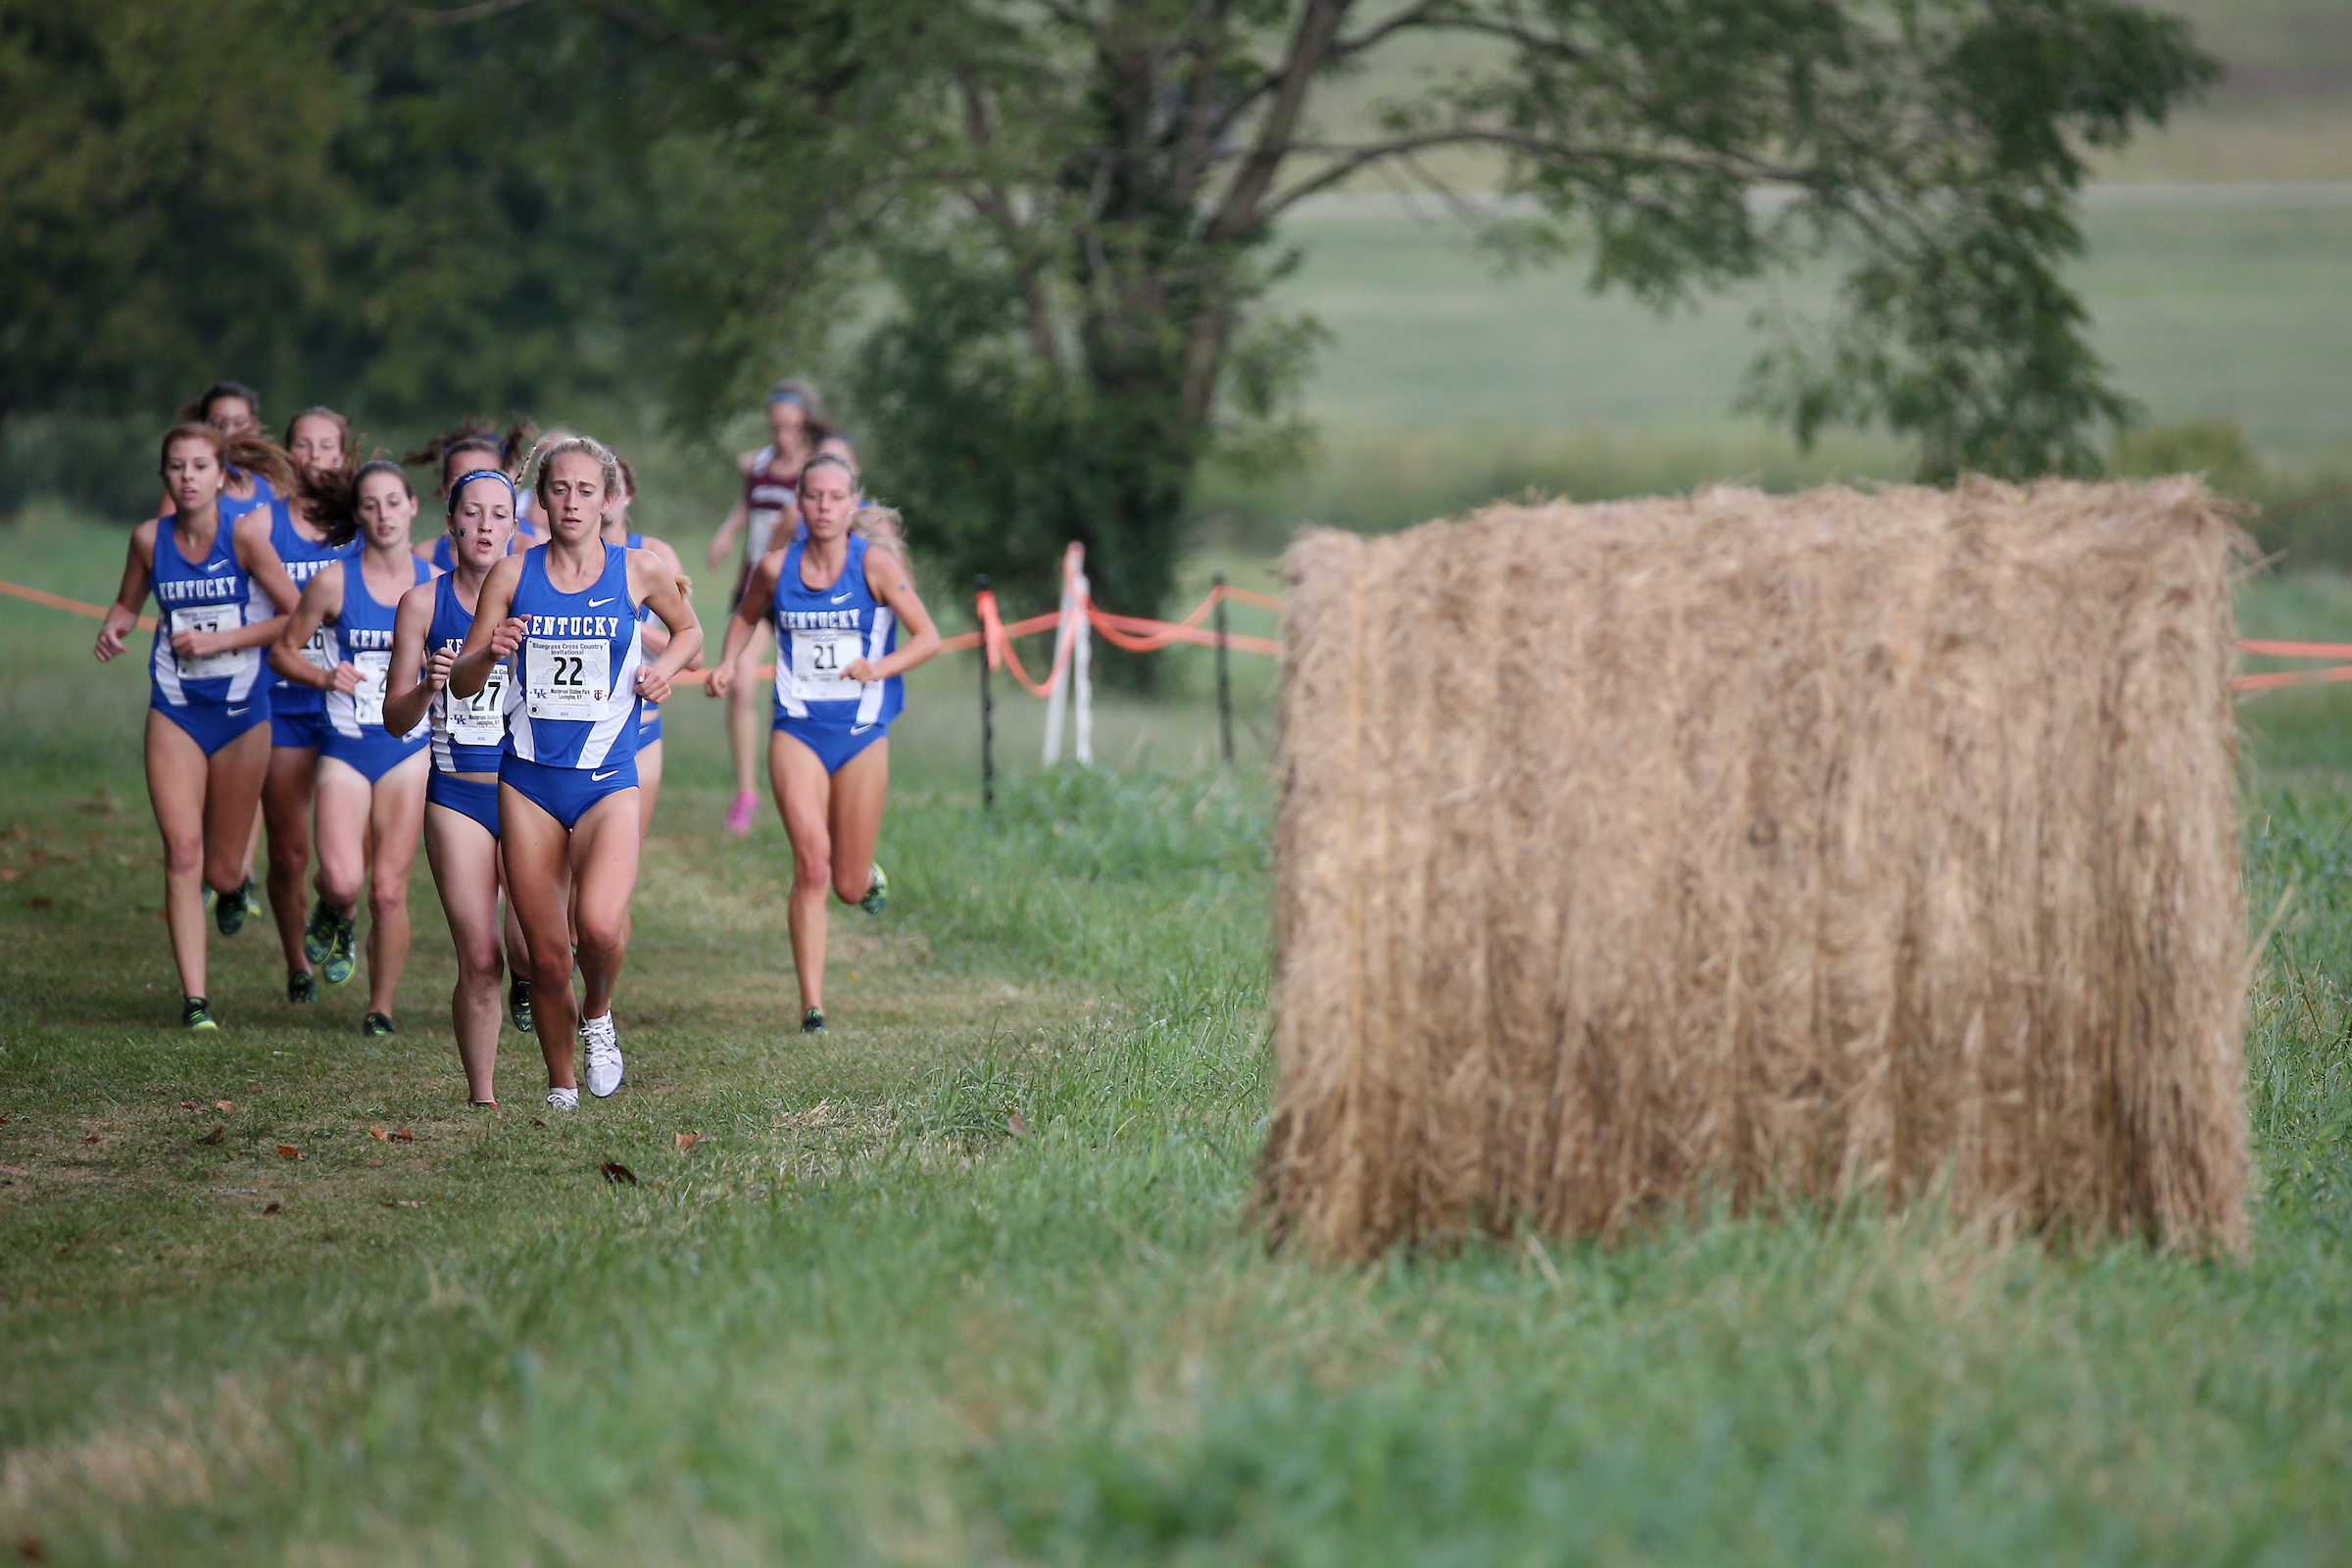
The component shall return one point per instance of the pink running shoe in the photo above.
(739, 815)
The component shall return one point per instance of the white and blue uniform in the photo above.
(360, 634)
(218, 697)
(298, 712)
(819, 633)
(572, 740)
(648, 714)
(469, 734)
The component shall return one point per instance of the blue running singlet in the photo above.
(572, 740)
(819, 633)
(218, 697)
(470, 733)
(648, 714)
(362, 636)
(298, 712)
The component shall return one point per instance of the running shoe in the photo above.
(195, 1015)
(319, 932)
(812, 1022)
(519, 1004)
(344, 955)
(563, 1099)
(602, 1042)
(229, 911)
(376, 1025)
(877, 893)
(302, 986)
(739, 815)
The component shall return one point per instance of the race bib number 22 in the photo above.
(567, 678)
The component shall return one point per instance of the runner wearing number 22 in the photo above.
(565, 614)
(836, 598)
(370, 781)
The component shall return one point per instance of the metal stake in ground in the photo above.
(988, 720)
(1224, 682)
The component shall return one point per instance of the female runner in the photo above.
(656, 638)
(460, 812)
(222, 596)
(836, 599)
(371, 780)
(318, 441)
(470, 448)
(567, 612)
(769, 478)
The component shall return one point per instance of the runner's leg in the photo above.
(465, 861)
(535, 848)
(232, 797)
(649, 787)
(395, 817)
(859, 790)
(177, 778)
(605, 848)
(345, 801)
(286, 802)
(748, 711)
(803, 793)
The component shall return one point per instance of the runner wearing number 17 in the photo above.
(370, 781)
(836, 598)
(565, 614)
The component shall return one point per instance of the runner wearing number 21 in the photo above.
(370, 781)
(836, 598)
(565, 614)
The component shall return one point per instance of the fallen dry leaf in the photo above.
(402, 1203)
(91, 1139)
(223, 1104)
(28, 1547)
(401, 1135)
(289, 1152)
(16, 1170)
(1018, 1127)
(378, 1134)
(9, 873)
(616, 1172)
(187, 1104)
(375, 1162)
(687, 1141)
(269, 1208)
(41, 903)
(536, 1122)
(215, 1136)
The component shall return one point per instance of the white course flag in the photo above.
(1071, 655)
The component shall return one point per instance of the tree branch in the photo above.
(1238, 212)
(458, 16)
(717, 45)
(989, 199)
(1420, 15)
(1349, 159)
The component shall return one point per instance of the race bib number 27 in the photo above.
(566, 677)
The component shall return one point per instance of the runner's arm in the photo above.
(322, 597)
(887, 578)
(258, 556)
(409, 684)
(724, 540)
(495, 634)
(758, 594)
(123, 616)
(652, 582)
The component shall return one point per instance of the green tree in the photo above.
(1076, 205)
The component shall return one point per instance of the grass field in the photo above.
(863, 1318)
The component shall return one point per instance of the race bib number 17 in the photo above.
(209, 618)
(566, 677)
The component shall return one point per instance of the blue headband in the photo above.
(464, 480)
(793, 398)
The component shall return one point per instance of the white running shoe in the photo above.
(563, 1099)
(604, 1055)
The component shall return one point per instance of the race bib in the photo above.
(208, 617)
(818, 659)
(317, 653)
(481, 719)
(566, 677)
(375, 668)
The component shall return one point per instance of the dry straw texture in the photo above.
(1794, 848)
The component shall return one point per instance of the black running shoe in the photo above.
(519, 1004)
(812, 1022)
(194, 1014)
(230, 908)
(376, 1025)
(302, 986)
(319, 932)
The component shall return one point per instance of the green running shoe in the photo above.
(344, 955)
(229, 911)
(518, 1005)
(376, 1025)
(302, 987)
(812, 1022)
(877, 893)
(194, 1014)
(319, 932)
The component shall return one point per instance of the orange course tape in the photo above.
(37, 596)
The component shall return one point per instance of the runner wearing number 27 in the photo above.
(565, 614)
(836, 598)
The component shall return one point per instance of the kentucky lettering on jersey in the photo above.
(208, 589)
(820, 619)
(605, 626)
(356, 638)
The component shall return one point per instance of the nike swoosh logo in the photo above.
(601, 777)
(599, 603)
(234, 712)
(861, 729)
(215, 566)
(838, 597)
